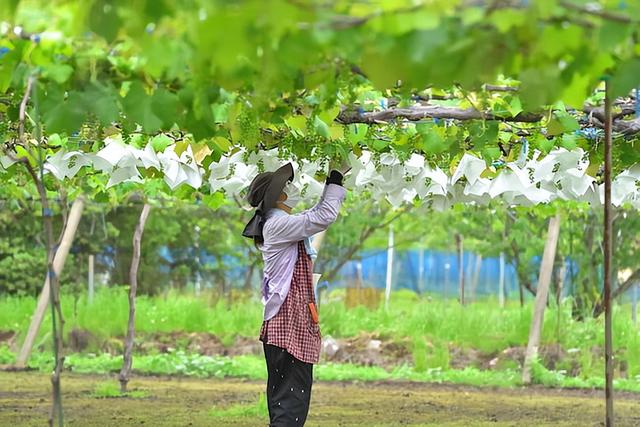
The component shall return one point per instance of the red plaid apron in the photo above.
(293, 327)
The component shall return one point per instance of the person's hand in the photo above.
(343, 166)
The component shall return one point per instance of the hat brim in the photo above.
(277, 184)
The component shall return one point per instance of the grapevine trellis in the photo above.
(532, 179)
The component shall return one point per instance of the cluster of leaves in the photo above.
(198, 240)
(22, 246)
(262, 74)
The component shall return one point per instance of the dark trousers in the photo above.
(288, 387)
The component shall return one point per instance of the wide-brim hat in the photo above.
(264, 191)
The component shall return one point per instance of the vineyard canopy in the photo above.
(443, 100)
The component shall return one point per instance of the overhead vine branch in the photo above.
(593, 11)
(430, 111)
(421, 112)
(56, 413)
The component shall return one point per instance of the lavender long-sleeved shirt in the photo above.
(282, 232)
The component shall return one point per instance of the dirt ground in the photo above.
(24, 401)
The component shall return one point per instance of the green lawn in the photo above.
(482, 326)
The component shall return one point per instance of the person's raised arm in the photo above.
(293, 228)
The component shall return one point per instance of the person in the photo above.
(290, 332)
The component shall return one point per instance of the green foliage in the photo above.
(22, 250)
(109, 389)
(167, 313)
(166, 68)
(6, 356)
(256, 409)
(23, 257)
(253, 368)
(431, 327)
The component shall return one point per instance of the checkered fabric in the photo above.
(293, 328)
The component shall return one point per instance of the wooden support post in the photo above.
(542, 292)
(58, 263)
(608, 251)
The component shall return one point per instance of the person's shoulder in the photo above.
(273, 222)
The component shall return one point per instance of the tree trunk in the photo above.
(521, 292)
(560, 283)
(57, 323)
(460, 252)
(58, 263)
(133, 286)
(624, 287)
(608, 258)
(544, 279)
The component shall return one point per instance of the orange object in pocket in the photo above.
(314, 312)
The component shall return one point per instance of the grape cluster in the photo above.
(4, 127)
(249, 129)
(288, 141)
(90, 131)
(315, 139)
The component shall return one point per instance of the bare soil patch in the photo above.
(24, 399)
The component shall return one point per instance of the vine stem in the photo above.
(57, 321)
(608, 255)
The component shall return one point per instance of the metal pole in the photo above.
(197, 248)
(387, 292)
(421, 269)
(634, 305)
(608, 250)
(90, 278)
(501, 281)
(447, 266)
(460, 262)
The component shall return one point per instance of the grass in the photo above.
(192, 401)
(253, 368)
(481, 325)
(107, 316)
(110, 389)
(249, 410)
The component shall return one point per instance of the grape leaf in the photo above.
(626, 77)
(138, 107)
